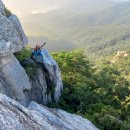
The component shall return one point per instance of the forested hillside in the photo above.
(100, 28)
(99, 91)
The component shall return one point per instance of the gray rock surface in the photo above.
(46, 83)
(14, 116)
(38, 92)
(13, 18)
(14, 77)
(1, 7)
(61, 119)
(12, 37)
(54, 73)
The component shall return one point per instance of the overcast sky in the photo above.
(23, 7)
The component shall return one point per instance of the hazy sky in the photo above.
(33, 6)
(23, 7)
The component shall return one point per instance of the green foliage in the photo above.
(77, 74)
(107, 117)
(98, 92)
(7, 12)
(22, 56)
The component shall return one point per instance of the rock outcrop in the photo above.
(13, 39)
(15, 76)
(120, 55)
(13, 18)
(53, 74)
(14, 116)
(46, 82)
(14, 80)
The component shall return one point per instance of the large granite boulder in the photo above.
(39, 88)
(54, 73)
(13, 18)
(46, 82)
(11, 38)
(15, 79)
(14, 116)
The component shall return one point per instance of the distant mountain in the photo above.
(111, 14)
(79, 11)
(87, 6)
(98, 25)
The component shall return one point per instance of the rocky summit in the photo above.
(15, 83)
(14, 116)
(20, 95)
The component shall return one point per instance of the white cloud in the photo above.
(49, 8)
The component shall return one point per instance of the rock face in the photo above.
(13, 74)
(1, 7)
(46, 82)
(13, 78)
(39, 88)
(14, 116)
(13, 18)
(54, 74)
(12, 38)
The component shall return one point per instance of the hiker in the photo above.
(37, 52)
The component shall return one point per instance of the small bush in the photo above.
(22, 56)
(7, 12)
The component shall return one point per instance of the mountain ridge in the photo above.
(83, 28)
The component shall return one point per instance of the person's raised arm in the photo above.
(43, 45)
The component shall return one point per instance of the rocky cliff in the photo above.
(46, 82)
(22, 91)
(14, 116)
(12, 75)
(13, 78)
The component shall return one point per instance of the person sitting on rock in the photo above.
(37, 52)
